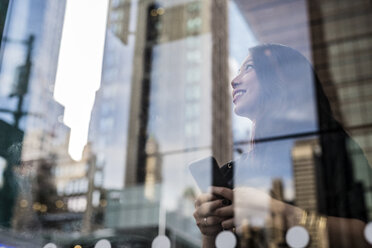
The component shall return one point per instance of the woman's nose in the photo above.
(234, 83)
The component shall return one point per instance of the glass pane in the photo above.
(185, 123)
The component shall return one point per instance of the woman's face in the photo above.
(246, 90)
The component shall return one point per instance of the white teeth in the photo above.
(239, 93)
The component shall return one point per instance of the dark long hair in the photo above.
(283, 71)
(284, 74)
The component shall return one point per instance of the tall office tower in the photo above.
(110, 113)
(3, 10)
(305, 156)
(29, 49)
(277, 189)
(153, 168)
(276, 222)
(46, 135)
(179, 89)
(146, 37)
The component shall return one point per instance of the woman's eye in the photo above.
(249, 67)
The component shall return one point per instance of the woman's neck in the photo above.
(267, 127)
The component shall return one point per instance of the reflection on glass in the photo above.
(274, 87)
(164, 100)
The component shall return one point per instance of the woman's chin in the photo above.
(238, 110)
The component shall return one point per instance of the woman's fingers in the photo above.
(209, 225)
(204, 198)
(228, 224)
(207, 208)
(227, 211)
(208, 221)
(222, 191)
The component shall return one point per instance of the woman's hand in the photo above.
(205, 214)
(226, 212)
(250, 206)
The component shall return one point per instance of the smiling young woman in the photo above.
(278, 90)
(246, 90)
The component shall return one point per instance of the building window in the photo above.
(192, 93)
(193, 76)
(192, 129)
(194, 24)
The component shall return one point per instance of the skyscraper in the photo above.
(3, 11)
(110, 113)
(306, 159)
(30, 79)
(163, 102)
(184, 43)
(305, 156)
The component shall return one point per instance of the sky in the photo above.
(80, 66)
(241, 38)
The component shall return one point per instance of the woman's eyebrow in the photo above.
(248, 61)
(245, 63)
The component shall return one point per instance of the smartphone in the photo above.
(206, 173)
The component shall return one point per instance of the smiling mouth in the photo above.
(237, 94)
